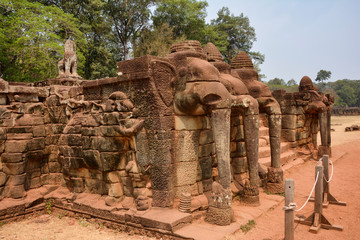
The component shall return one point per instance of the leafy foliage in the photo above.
(239, 35)
(323, 75)
(186, 17)
(347, 91)
(108, 31)
(31, 38)
(280, 84)
(155, 42)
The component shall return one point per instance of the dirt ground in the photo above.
(344, 186)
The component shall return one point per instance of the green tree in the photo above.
(323, 75)
(100, 51)
(239, 34)
(31, 39)
(128, 18)
(185, 17)
(277, 81)
(291, 82)
(155, 42)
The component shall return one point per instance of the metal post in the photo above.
(289, 210)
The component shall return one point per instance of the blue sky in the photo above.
(301, 37)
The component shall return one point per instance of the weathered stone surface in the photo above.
(14, 191)
(113, 161)
(16, 146)
(288, 121)
(14, 168)
(239, 165)
(191, 123)
(187, 146)
(11, 157)
(14, 180)
(115, 190)
(185, 173)
(3, 179)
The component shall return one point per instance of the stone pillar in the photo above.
(221, 127)
(275, 173)
(220, 211)
(251, 131)
(324, 133)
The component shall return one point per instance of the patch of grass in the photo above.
(280, 194)
(2, 223)
(49, 206)
(83, 222)
(248, 226)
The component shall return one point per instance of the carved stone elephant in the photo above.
(318, 104)
(243, 69)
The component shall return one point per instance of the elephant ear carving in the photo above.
(164, 75)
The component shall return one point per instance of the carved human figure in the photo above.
(246, 106)
(67, 66)
(243, 69)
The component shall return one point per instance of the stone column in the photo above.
(251, 131)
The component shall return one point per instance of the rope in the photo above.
(312, 190)
(332, 172)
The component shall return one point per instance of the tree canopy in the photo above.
(239, 34)
(323, 75)
(108, 31)
(31, 39)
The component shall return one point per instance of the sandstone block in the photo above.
(90, 131)
(161, 177)
(115, 190)
(206, 167)
(113, 161)
(95, 186)
(14, 168)
(186, 173)
(92, 159)
(14, 191)
(14, 180)
(163, 198)
(192, 123)
(54, 167)
(3, 178)
(76, 129)
(239, 165)
(39, 131)
(19, 136)
(288, 121)
(30, 120)
(35, 183)
(206, 137)
(187, 146)
(288, 135)
(16, 146)
(110, 144)
(36, 144)
(11, 157)
(207, 150)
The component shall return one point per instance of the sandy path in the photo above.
(345, 186)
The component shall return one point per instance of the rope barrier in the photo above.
(312, 190)
(332, 172)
